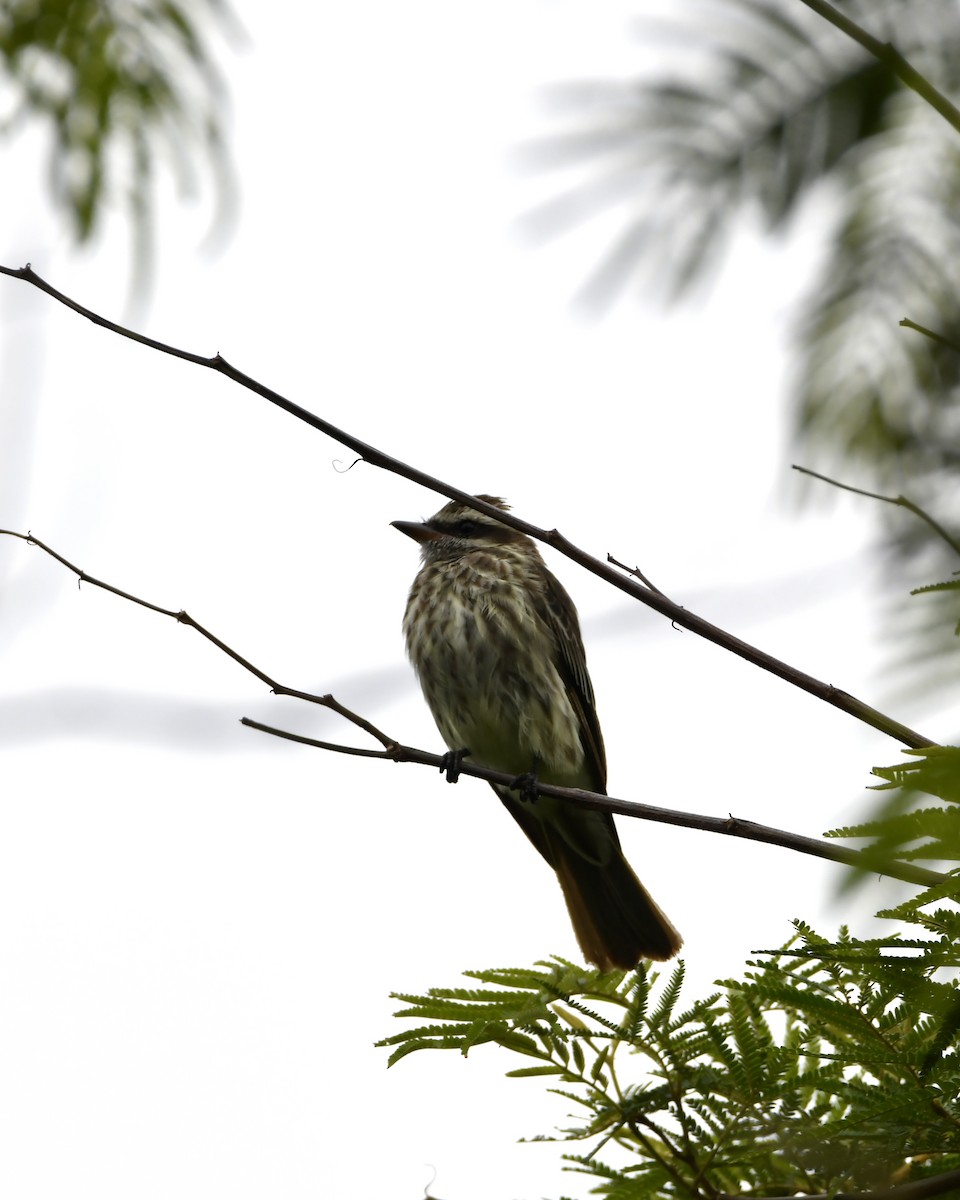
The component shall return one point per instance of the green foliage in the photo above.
(906, 826)
(118, 82)
(828, 1066)
(949, 585)
(825, 1068)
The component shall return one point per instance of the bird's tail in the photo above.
(616, 920)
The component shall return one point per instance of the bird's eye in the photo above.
(467, 528)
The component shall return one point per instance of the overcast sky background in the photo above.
(200, 926)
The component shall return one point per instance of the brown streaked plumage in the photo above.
(495, 642)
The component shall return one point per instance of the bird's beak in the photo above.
(419, 533)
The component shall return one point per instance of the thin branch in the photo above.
(665, 1163)
(393, 751)
(636, 573)
(890, 56)
(728, 826)
(899, 501)
(906, 323)
(184, 618)
(918, 1189)
(551, 537)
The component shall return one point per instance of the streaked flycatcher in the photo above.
(496, 644)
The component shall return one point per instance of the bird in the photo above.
(495, 642)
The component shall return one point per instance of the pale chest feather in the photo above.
(486, 662)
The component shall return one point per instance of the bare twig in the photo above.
(184, 618)
(906, 323)
(900, 501)
(551, 537)
(636, 573)
(393, 751)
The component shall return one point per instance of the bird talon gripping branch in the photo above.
(526, 786)
(451, 763)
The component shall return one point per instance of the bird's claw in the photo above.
(451, 762)
(526, 785)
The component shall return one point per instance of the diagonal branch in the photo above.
(729, 826)
(551, 537)
(393, 751)
(184, 618)
(906, 323)
(899, 501)
(890, 56)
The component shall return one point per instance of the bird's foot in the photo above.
(451, 762)
(526, 785)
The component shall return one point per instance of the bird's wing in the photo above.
(559, 615)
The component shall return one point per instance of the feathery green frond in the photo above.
(828, 1067)
(907, 827)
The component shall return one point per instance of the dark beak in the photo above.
(419, 533)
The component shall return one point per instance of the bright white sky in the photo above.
(200, 926)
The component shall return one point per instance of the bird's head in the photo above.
(457, 530)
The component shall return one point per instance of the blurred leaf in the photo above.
(764, 106)
(122, 85)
